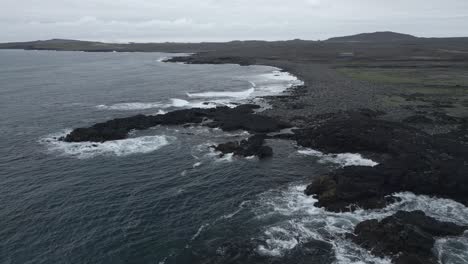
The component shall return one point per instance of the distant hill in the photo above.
(385, 36)
(378, 43)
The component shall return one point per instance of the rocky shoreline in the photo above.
(409, 158)
(241, 117)
(408, 237)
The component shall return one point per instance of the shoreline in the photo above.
(347, 120)
(320, 86)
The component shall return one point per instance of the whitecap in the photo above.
(276, 246)
(265, 84)
(226, 158)
(130, 106)
(238, 210)
(124, 147)
(442, 209)
(173, 103)
(342, 159)
(242, 133)
(452, 249)
(281, 76)
(297, 220)
(275, 82)
(181, 103)
(197, 164)
(240, 95)
(160, 112)
(199, 231)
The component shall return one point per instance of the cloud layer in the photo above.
(221, 20)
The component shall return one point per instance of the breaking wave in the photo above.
(301, 221)
(239, 95)
(85, 150)
(343, 159)
(275, 82)
(130, 106)
(261, 85)
(173, 103)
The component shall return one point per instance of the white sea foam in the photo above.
(281, 76)
(84, 150)
(271, 83)
(181, 103)
(240, 208)
(342, 159)
(130, 106)
(274, 82)
(239, 95)
(199, 231)
(236, 134)
(163, 59)
(173, 103)
(197, 164)
(229, 157)
(452, 249)
(160, 112)
(302, 222)
(261, 85)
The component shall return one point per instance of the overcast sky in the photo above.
(222, 20)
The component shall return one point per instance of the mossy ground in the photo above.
(423, 89)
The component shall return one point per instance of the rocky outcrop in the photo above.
(111, 130)
(228, 119)
(314, 251)
(197, 59)
(410, 160)
(408, 237)
(252, 146)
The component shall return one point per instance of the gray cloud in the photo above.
(220, 20)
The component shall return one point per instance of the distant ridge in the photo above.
(383, 36)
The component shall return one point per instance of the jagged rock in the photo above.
(408, 237)
(111, 130)
(360, 132)
(349, 188)
(410, 160)
(239, 118)
(196, 59)
(252, 146)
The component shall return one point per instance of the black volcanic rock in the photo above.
(406, 236)
(197, 59)
(360, 131)
(252, 146)
(228, 119)
(410, 160)
(111, 130)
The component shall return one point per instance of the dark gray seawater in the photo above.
(161, 196)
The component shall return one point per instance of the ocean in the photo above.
(163, 195)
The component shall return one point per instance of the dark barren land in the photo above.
(398, 99)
